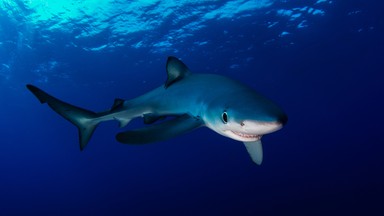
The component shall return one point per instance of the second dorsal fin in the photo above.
(117, 104)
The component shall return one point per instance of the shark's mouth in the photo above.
(247, 136)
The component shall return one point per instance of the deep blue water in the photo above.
(322, 61)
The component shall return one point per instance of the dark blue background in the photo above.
(328, 160)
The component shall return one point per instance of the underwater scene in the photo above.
(195, 108)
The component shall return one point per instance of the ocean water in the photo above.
(321, 60)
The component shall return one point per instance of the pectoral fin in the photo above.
(161, 131)
(255, 150)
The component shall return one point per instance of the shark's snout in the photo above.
(260, 127)
(282, 119)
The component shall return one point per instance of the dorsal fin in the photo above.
(176, 70)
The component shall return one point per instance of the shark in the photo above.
(185, 102)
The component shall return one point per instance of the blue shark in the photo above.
(185, 102)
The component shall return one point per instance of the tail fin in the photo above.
(83, 119)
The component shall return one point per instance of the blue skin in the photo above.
(194, 100)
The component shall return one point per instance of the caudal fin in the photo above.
(84, 120)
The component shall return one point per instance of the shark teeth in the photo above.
(249, 136)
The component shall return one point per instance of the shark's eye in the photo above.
(224, 117)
